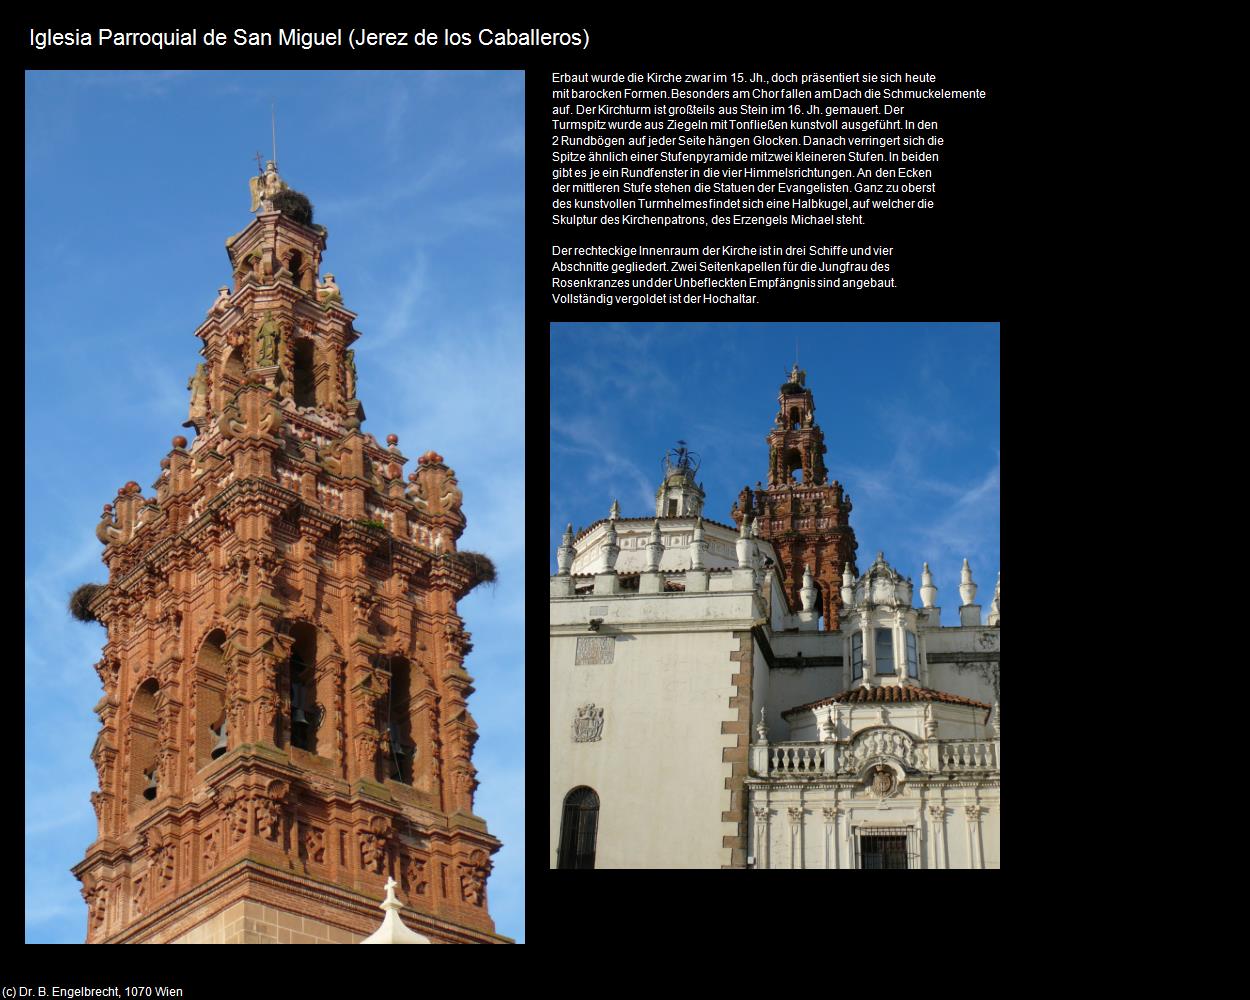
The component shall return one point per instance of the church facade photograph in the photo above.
(733, 683)
(305, 638)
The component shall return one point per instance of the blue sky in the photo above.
(134, 180)
(910, 414)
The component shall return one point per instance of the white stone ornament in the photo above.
(394, 930)
(745, 547)
(848, 586)
(993, 616)
(697, 546)
(566, 552)
(615, 513)
(761, 728)
(655, 548)
(610, 549)
(808, 593)
(928, 592)
(588, 724)
(967, 589)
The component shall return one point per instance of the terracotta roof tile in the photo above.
(891, 693)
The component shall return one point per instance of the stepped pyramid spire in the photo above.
(285, 718)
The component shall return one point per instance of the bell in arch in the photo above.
(149, 790)
(221, 746)
(297, 708)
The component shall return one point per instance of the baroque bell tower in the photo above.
(284, 724)
(806, 517)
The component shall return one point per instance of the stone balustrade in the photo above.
(790, 759)
(967, 755)
(798, 758)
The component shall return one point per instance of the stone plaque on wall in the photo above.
(594, 649)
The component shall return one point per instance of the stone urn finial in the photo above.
(927, 591)
(967, 589)
(566, 552)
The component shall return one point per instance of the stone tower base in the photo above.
(251, 904)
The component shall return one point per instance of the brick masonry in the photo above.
(736, 755)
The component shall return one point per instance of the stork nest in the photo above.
(294, 205)
(479, 566)
(80, 601)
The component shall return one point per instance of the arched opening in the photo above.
(305, 390)
(792, 463)
(399, 764)
(305, 715)
(144, 785)
(294, 264)
(794, 418)
(211, 736)
(578, 829)
(232, 371)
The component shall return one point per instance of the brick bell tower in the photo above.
(284, 722)
(806, 517)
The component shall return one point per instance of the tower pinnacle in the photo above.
(805, 516)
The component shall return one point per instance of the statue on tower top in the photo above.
(264, 186)
(797, 377)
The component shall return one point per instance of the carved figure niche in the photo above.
(143, 743)
(305, 383)
(210, 700)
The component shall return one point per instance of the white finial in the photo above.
(848, 586)
(655, 548)
(761, 728)
(745, 546)
(827, 731)
(610, 549)
(993, 615)
(615, 513)
(967, 589)
(697, 545)
(566, 552)
(927, 591)
(394, 930)
(808, 592)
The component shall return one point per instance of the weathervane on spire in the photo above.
(680, 459)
